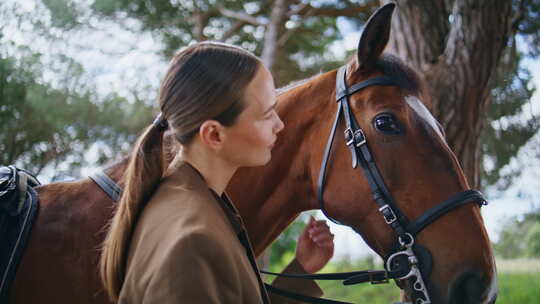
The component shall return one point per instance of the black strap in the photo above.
(348, 278)
(107, 185)
(319, 276)
(322, 172)
(460, 199)
(380, 80)
(301, 297)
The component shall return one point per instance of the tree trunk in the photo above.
(273, 31)
(456, 46)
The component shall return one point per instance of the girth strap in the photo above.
(107, 185)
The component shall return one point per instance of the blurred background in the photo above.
(79, 80)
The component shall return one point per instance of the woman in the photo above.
(175, 236)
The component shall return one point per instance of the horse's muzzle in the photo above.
(471, 288)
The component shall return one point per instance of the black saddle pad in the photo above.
(18, 210)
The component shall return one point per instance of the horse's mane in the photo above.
(406, 77)
(390, 65)
(294, 84)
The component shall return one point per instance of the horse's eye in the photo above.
(387, 124)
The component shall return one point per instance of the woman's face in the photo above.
(249, 141)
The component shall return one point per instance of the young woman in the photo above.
(175, 237)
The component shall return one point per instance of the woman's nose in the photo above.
(279, 125)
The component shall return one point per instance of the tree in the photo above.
(45, 127)
(291, 37)
(53, 123)
(520, 237)
(468, 54)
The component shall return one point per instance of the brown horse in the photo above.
(419, 169)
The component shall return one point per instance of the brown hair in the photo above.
(205, 81)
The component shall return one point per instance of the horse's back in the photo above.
(60, 264)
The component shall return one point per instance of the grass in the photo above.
(519, 287)
(519, 283)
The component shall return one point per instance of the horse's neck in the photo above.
(271, 197)
(117, 170)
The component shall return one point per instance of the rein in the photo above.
(408, 261)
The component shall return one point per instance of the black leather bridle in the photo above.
(405, 230)
(408, 259)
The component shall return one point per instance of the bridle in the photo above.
(403, 263)
(409, 260)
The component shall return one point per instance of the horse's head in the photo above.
(417, 170)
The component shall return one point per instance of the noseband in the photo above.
(403, 263)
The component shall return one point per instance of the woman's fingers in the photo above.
(320, 233)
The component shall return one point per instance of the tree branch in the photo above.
(232, 30)
(271, 36)
(241, 16)
(520, 15)
(288, 34)
(351, 10)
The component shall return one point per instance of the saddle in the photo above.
(19, 206)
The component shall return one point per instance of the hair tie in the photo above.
(160, 122)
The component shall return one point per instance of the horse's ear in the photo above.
(374, 37)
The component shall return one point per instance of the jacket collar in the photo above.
(187, 176)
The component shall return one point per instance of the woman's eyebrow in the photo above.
(270, 109)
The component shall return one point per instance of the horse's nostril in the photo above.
(468, 289)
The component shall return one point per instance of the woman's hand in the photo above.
(315, 246)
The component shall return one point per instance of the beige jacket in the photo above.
(185, 249)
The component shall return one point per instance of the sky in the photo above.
(113, 57)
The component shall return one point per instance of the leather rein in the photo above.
(409, 261)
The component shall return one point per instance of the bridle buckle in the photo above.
(349, 136)
(359, 137)
(388, 214)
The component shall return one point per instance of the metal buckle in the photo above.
(349, 136)
(359, 137)
(388, 214)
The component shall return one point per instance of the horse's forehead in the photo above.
(421, 110)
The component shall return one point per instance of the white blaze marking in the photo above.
(424, 113)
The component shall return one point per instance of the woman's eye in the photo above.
(387, 124)
(268, 116)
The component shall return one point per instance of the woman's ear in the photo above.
(211, 134)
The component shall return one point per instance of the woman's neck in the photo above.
(216, 172)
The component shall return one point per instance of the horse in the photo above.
(407, 144)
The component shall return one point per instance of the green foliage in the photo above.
(283, 249)
(529, 24)
(510, 125)
(64, 14)
(362, 293)
(519, 288)
(533, 240)
(43, 126)
(520, 237)
(173, 22)
(514, 287)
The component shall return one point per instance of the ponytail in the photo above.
(205, 81)
(142, 176)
